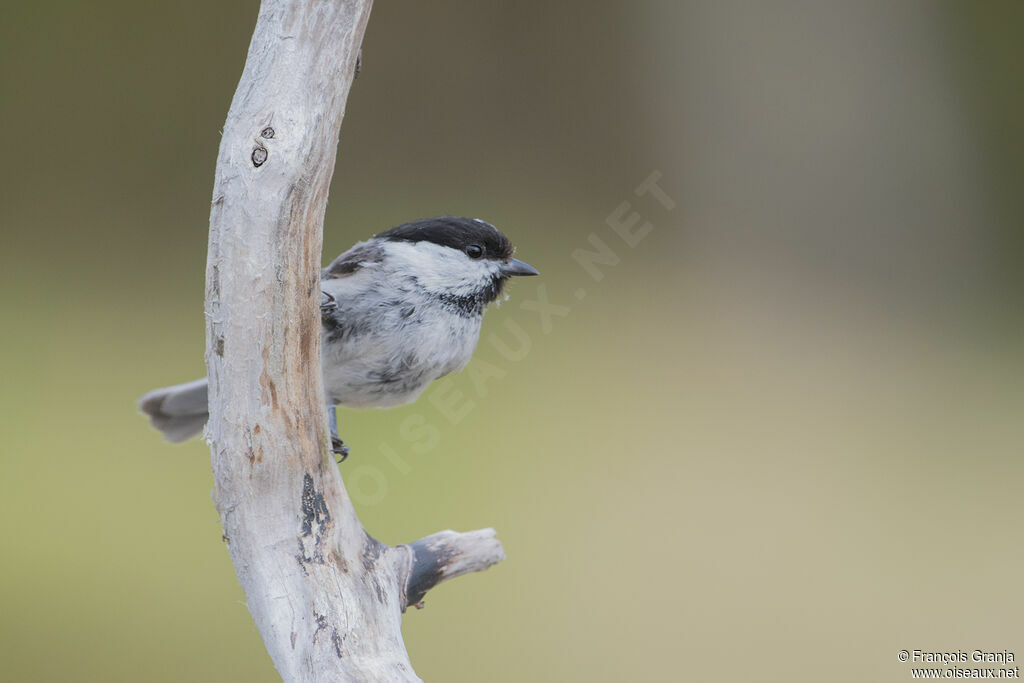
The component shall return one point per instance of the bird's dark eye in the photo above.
(474, 251)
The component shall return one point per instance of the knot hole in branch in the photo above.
(259, 152)
(259, 155)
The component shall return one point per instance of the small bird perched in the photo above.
(398, 311)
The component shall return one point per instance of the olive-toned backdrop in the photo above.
(780, 438)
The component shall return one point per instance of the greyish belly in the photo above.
(384, 382)
(363, 385)
(379, 372)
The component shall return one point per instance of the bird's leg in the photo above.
(328, 304)
(338, 446)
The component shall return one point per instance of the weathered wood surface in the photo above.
(326, 597)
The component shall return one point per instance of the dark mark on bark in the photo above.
(428, 565)
(294, 636)
(273, 394)
(321, 624)
(372, 550)
(267, 132)
(259, 155)
(336, 640)
(378, 588)
(218, 347)
(316, 519)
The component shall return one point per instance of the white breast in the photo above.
(392, 340)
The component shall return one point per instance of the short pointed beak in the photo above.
(516, 267)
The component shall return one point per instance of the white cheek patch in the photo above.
(442, 269)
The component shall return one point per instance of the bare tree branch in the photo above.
(443, 556)
(326, 597)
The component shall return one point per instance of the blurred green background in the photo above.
(780, 439)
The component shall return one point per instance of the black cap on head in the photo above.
(455, 232)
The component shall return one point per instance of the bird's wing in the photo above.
(362, 255)
(346, 281)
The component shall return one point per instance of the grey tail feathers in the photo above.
(180, 412)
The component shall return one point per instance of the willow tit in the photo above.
(397, 312)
